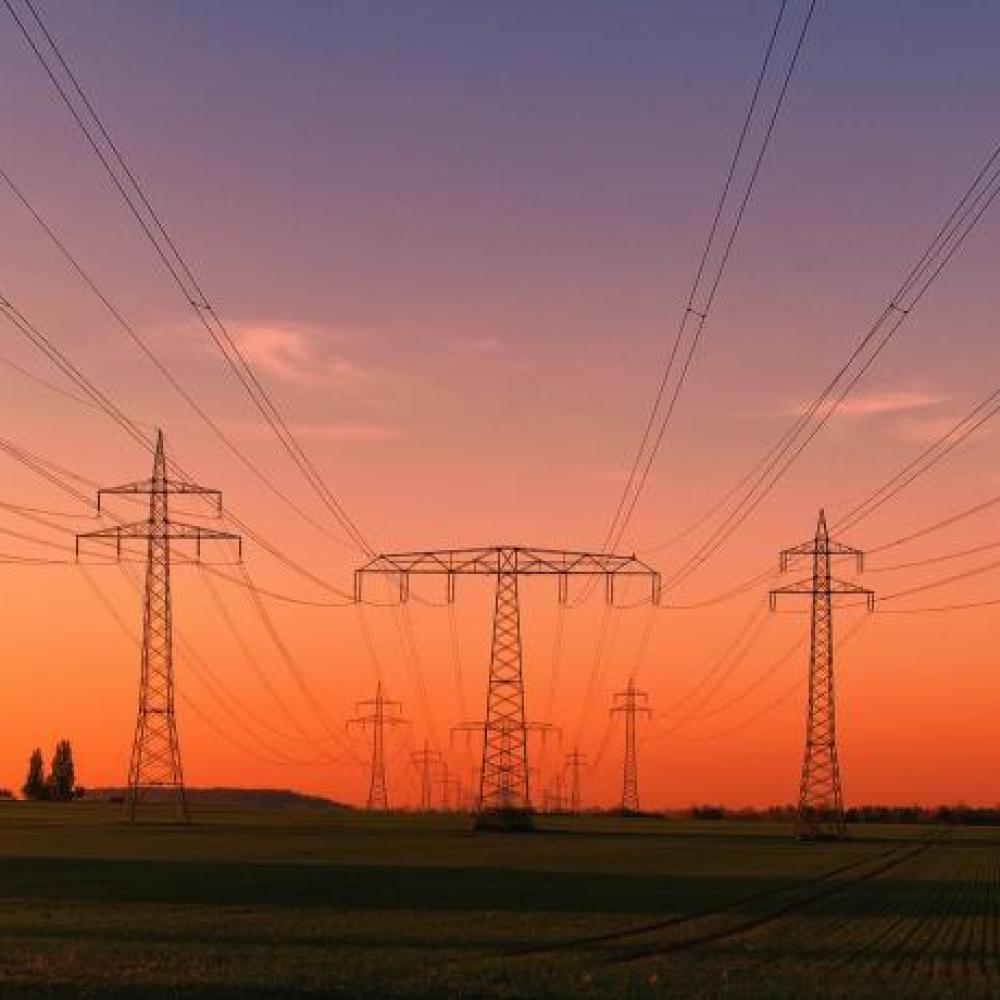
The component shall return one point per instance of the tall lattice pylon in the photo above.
(820, 812)
(380, 717)
(155, 761)
(504, 785)
(630, 703)
(504, 792)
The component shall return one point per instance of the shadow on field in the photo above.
(377, 887)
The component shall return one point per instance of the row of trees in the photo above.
(59, 785)
(961, 814)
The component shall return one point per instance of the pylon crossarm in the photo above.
(489, 561)
(174, 530)
(837, 588)
(172, 486)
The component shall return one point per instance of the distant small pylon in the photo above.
(378, 719)
(630, 703)
(427, 759)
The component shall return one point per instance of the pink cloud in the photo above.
(292, 354)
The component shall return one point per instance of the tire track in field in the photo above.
(684, 919)
(825, 890)
(798, 943)
(846, 939)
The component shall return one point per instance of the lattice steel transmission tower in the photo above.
(509, 732)
(155, 762)
(821, 802)
(630, 703)
(575, 763)
(425, 760)
(504, 794)
(379, 719)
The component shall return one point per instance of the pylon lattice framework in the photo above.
(820, 811)
(524, 731)
(155, 760)
(378, 719)
(630, 703)
(504, 792)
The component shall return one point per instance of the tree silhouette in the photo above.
(62, 779)
(34, 786)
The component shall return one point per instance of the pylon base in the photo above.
(505, 820)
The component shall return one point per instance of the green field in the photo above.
(278, 904)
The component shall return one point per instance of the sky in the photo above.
(454, 239)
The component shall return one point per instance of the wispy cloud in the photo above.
(877, 404)
(900, 401)
(293, 354)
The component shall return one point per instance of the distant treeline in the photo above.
(962, 815)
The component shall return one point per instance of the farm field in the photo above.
(270, 903)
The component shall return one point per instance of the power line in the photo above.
(650, 441)
(142, 344)
(937, 525)
(960, 223)
(125, 181)
(935, 452)
(207, 678)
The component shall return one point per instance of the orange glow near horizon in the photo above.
(457, 268)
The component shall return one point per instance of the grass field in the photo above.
(279, 904)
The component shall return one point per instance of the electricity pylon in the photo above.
(378, 718)
(575, 763)
(425, 760)
(155, 762)
(504, 794)
(630, 703)
(542, 729)
(821, 802)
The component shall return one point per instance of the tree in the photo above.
(62, 779)
(34, 785)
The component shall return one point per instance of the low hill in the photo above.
(232, 798)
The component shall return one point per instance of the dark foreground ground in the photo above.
(251, 904)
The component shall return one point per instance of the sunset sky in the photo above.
(454, 240)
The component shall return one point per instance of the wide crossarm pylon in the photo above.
(504, 794)
(820, 813)
(155, 762)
